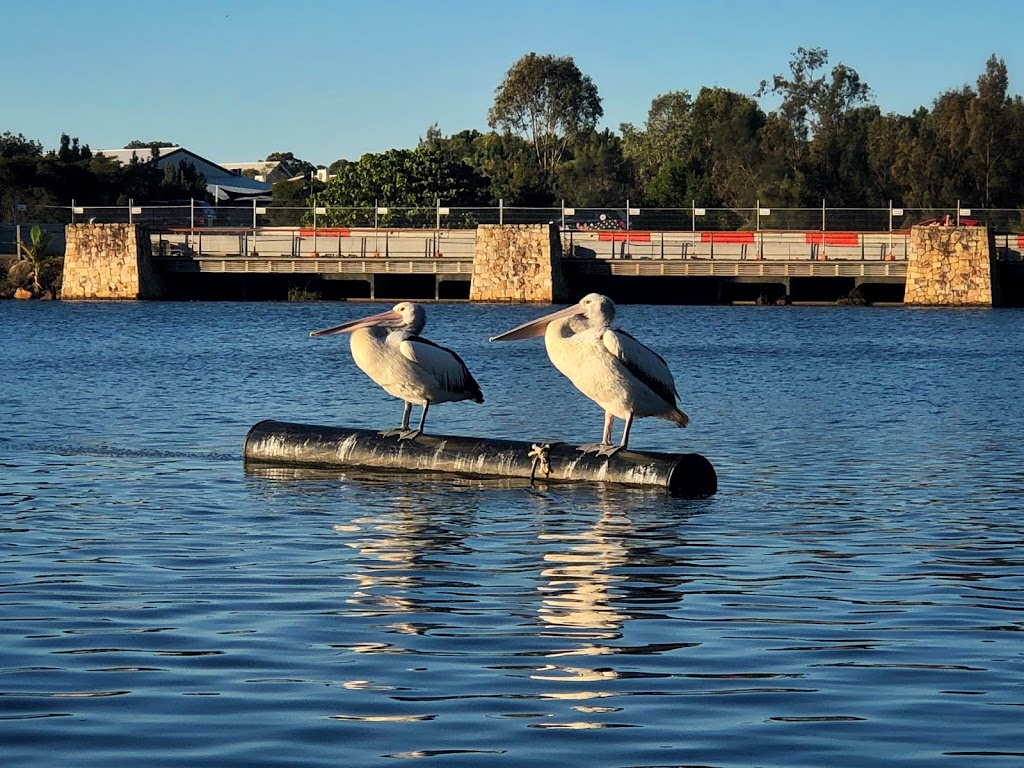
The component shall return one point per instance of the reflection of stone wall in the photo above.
(950, 267)
(108, 261)
(517, 262)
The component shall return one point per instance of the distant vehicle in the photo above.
(596, 220)
(949, 220)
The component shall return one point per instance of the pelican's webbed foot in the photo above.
(600, 449)
(403, 433)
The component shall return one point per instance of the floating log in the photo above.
(308, 445)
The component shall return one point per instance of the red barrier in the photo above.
(832, 238)
(743, 238)
(325, 232)
(611, 236)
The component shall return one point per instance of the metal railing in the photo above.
(693, 218)
(197, 228)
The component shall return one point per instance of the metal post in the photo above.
(253, 248)
(17, 225)
(72, 210)
(958, 212)
(437, 233)
(131, 204)
(627, 214)
(693, 215)
(563, 213)
(501, 210)
(890, 227)
(316, 252)
(823, 219)
(192, 212)
(760, 237)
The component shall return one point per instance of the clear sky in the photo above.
(234, 80)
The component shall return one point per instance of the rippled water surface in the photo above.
(852, 596)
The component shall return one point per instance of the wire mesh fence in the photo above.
(196, 214)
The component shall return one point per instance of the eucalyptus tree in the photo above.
(889, 138)
(724, 139)
(946, 136)
(596, 175)
(507, 162)
(815, 104)
(988, 133)
(664, 139)
(547, 100)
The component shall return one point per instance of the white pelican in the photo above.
(387, 347)
(607, 365)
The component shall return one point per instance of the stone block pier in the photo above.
(520, 263)
(109, 261)
(951, 267)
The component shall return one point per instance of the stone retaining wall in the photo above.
(518, 262)
(108, 261)
(950, 267)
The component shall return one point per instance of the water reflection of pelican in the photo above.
(592, 581)
(395, 544)
(579, 577)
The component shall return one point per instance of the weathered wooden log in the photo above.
(307, 445)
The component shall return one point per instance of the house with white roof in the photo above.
(222, 183)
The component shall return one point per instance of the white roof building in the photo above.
(223, 183)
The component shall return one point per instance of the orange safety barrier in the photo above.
(727, 237)
(325, 232)
(832, 238)
(611, 236)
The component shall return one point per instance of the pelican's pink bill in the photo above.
(379, 319)
(537, 327)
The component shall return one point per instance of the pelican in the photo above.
(627, 379)
(387, 347)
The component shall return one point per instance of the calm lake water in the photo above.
(852, 596)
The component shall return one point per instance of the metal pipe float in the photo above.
(308, 445)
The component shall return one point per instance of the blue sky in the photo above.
(234, 80)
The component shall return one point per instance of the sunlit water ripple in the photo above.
(852, 596)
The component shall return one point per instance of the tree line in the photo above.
(826, 140)
(30, 176)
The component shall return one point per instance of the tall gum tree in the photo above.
(663, 141)
(988, 130)
(815, 104)
(549, 101)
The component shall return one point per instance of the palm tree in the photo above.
(35, 254)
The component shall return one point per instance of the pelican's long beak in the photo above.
(538, 326)
(383, 318)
